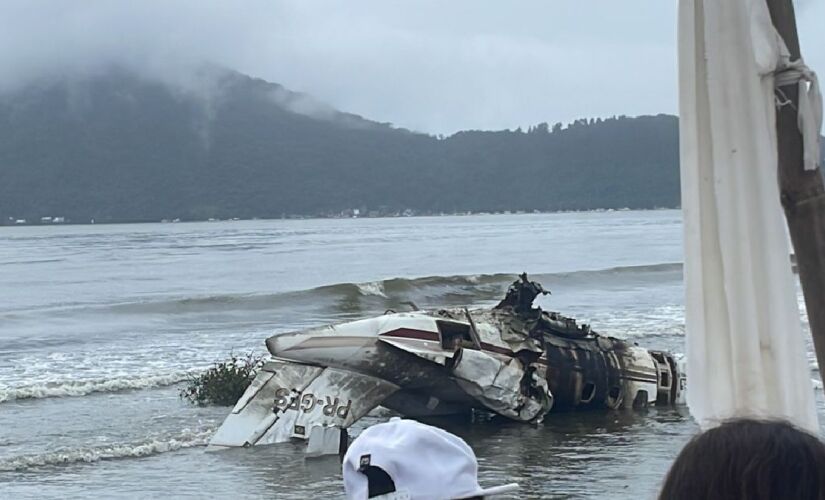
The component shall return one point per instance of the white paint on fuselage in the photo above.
(346, 345)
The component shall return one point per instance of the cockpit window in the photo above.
(454, 335)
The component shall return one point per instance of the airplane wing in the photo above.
(289, 400)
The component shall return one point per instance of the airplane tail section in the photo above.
(289, 400)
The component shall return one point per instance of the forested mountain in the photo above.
(118, 147)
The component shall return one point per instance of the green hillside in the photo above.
(118, 147)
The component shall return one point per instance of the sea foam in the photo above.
(186, 439)
(67, 388)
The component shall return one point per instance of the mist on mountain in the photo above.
(114, 146)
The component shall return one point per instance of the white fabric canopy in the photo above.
(745, 350)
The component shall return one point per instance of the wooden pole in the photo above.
(802, 191)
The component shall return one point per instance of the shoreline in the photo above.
(395, 215)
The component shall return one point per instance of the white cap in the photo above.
(423, 462)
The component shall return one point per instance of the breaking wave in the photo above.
(186, 439)
(328, 303)
(430, 290)
(375, 288)
(83, 387)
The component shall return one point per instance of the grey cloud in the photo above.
(435, 66)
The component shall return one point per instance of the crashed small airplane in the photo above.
(513, 360)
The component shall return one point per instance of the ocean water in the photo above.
(100, 325)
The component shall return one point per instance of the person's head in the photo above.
(405, 459)
(749, 459)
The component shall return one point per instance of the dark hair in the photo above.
(749, 459)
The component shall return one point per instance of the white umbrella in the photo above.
(746, 354)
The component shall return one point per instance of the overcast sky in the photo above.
(431, 65)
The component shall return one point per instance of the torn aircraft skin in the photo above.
(514, 360)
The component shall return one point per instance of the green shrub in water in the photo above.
(224, 383)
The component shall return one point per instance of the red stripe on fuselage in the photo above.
(410, 333)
